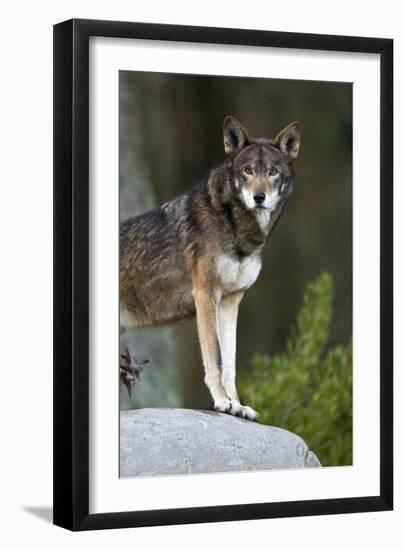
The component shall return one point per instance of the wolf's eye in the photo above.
(248, 170)
(273, 172)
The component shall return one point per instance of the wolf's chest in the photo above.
(236, 274)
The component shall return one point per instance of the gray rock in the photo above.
(155, 442)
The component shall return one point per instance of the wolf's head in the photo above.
(262, 168)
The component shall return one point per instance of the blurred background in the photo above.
(170, 135)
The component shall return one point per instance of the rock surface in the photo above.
(155, 442)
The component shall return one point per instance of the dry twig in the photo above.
(130, 370)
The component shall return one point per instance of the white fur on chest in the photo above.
(263, 218)
(238, 274)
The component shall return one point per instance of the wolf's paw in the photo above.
(243, 411)
(222, 405)
(236, 408)
(249, 413)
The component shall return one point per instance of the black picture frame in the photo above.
(71, 274)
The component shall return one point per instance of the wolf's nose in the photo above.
(259, 197)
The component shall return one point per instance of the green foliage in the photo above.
(307, 389)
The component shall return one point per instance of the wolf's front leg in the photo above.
(227, 320)
(207, 327)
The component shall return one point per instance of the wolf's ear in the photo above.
(288, 141)
(235, 135)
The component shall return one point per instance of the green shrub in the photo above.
(307, 389)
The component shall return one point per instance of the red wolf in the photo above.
(198, 253)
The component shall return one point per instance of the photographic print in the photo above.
(235, 274)
(222, 207)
